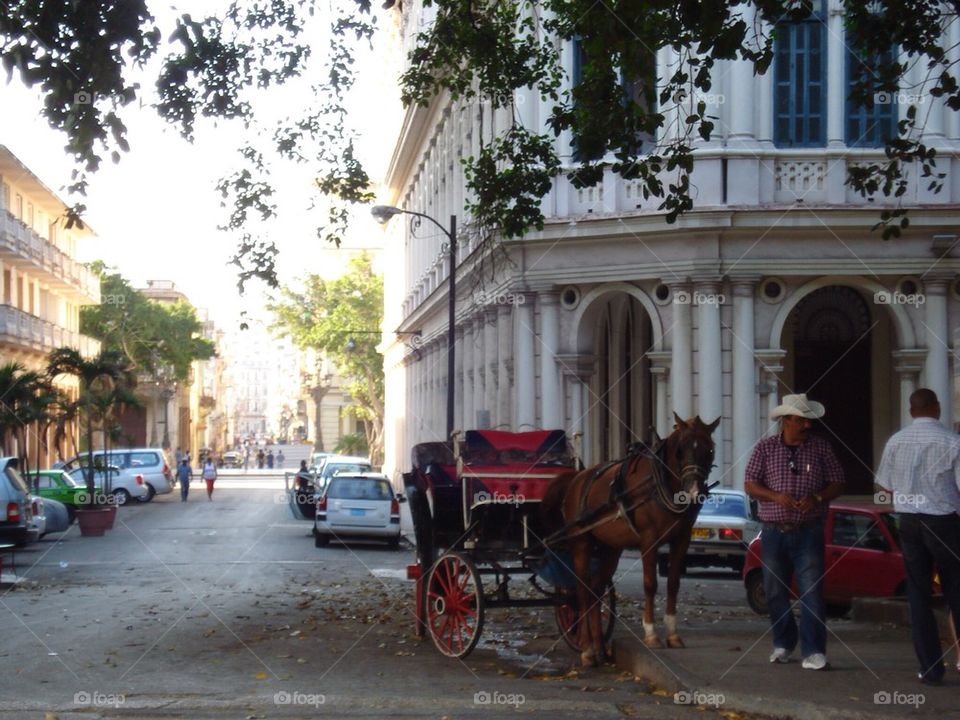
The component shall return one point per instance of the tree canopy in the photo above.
(82, 56)
(341, 319)
(152, 335)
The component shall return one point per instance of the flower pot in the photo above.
(94, 522)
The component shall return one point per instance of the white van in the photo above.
(150, 463)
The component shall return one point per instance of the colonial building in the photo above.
(42, 286)
(609, 320)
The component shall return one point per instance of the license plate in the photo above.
(702, 533)
(358, 512)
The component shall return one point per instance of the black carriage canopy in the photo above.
(499, 447)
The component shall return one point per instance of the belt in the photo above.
(793, 527)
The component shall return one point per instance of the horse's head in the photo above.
(690, 454)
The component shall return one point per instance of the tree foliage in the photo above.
(341, 319)
(81, 55)
(153, 335)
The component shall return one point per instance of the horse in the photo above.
(643, 501)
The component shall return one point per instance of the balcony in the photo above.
(24, 249)
(31, 333)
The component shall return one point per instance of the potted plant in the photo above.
(104, 384)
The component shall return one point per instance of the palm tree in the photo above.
(18, 387)
(99, 377)
(35, 413)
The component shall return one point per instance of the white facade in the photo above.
(610, 320)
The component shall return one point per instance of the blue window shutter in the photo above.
(800, 84)
(868, 127)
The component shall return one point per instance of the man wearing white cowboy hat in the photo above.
(794, 475)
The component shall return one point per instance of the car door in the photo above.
(860, 559)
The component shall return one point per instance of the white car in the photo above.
(124, 487)
(358, 505)
(151, 464)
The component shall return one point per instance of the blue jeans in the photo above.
(798, 552)
(928, 540)
(184, 490)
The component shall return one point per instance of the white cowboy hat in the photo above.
(800, 406)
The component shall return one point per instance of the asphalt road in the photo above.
(225, 609)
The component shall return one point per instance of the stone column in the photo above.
(680, 340)
(771, 365)
(908, 364)
(837, 76)
(525, 336)
(707, 298)
(577, 371)
(660, 369)
(479, 376)
(937, 367)
(490, 394)
(551, 415)
(458, 399)
(504, 366)
(744, 377)
(468, 375)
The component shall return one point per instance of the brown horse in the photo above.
(643, 501)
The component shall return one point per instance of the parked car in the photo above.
(719, 538)
(336, 464)
(862, 556)
(56, 517)
(151, 463)
(358, 505)
(231, 459)
(123, 487)
(16, 505)
(57, 485)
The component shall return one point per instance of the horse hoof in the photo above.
(588, 659)
(652, 642)
(674, 641)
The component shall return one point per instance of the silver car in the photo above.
(720, 536)
(358, 505)
(151, 464)
(16, 505)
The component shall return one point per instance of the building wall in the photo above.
(723, 302)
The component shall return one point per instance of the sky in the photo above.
(156, 212)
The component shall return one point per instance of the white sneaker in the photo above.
(816, 661)
(780, 655)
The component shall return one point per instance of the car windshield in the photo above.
(724, 504)
(336, 468)
(352, 488)
(16, 479)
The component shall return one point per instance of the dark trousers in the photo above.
(184, 489)
(928, 541)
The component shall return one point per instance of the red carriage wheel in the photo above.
(454, 605)
(568, 617)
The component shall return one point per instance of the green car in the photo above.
(58, 485)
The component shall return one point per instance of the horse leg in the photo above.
(650, 638)
(609, 559)
(678, 551)
(581, 569)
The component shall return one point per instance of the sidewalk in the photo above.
(726, 664)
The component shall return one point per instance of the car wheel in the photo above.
(321, 540)
(756, 597)
(121, 496)
(149, 496)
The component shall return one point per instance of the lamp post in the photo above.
(382, 214)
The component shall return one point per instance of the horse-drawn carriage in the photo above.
(476, 508)
(501, 505)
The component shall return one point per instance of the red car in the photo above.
(863, 558)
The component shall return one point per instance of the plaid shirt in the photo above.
(921, 465)
(816, 466)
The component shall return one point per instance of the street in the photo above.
(225, 609)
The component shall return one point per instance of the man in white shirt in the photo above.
(921, 467)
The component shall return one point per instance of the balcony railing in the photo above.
(23, 247)
(32, 333)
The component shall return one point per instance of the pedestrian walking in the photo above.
(920, 467)
(246, 458)
(184, 476)
(260, 459)
(280, 459)
(270, 459)
(210, 477)
(794, 475)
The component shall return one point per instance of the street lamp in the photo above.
(382, 214)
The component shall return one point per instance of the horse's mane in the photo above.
(551, 507)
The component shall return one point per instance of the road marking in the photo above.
(399, 574)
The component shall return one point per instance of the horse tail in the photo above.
(551, 507)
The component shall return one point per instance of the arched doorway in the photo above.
(621, 391)
(829, 337)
